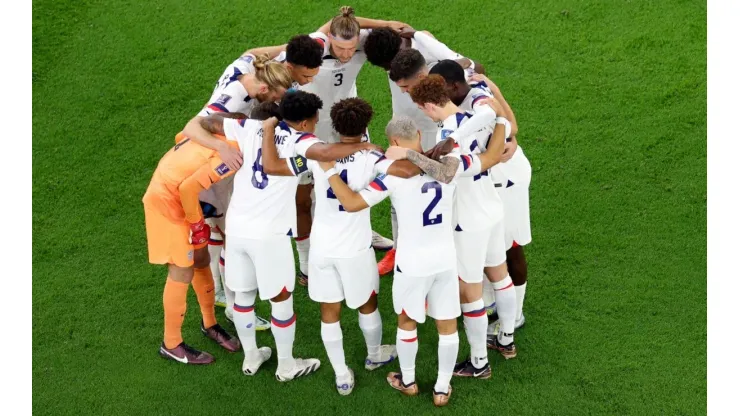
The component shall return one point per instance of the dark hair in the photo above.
(431, 89)
(350, 116)
(305, 51)
(299, 105)
(406, 64)
(450, 70)
(381, 46)
(265, 110)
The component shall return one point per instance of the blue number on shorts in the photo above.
(437, 196)
(330, 192)
(257, 167)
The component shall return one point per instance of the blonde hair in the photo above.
(344, 25)
(272, 73)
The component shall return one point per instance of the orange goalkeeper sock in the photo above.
(204, 289)
(175, 303)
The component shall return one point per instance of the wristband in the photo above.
(507, 126)
(331, 172)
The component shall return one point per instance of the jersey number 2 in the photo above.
(256, 167)
(330, 192)
(437, 197)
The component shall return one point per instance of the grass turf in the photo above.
(610, 97)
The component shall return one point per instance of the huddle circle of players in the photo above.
(281, 151)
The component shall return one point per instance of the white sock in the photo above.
(228, 292)
(489, 296)
(372, 329)
(303, 245)
(476, 324)
(520, 291)
(407, 345)
(331, 334)
(394, 225)
(506, 306)
(283, 330)
(215, 244)
(244, 323)
(447, 352)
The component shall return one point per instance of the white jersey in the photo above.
(335, 80)
(425, 218)
(337, 233)
(433, 52)
(229, 95)
(477, 205)
(263, 206)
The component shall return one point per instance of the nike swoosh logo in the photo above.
(477, 374)
(183, 360)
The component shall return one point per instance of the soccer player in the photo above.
(425, 266)
(430, 94)
(261, 219)
(511, 177)
(342, 261)
(342, 39)
(177, 236)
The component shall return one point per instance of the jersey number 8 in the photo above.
(256, 167)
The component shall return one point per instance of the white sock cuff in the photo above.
(282, 310)
(407, 336)
(503, 284)
(449, 339)
(370, 320)
(472, 306)
(331, 332)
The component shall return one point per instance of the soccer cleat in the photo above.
(381, 243)
(222, 338)
(386, 264)
(508, 351)
(495, 326)
(346, 384)
(220, 300)
(185, 354)
(396, 381)
(467, 369)
(441, 399)
(261, 324)
(387, 354)
(302, 279)
(250, 369)
(302, 367)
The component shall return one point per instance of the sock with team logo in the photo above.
(372, 329)
(476, 324)
(407, 346)
(331, 334)
(204, 289)
(447, 354)
(283, 330)
(302, 245)
(520, 291)
(244, 323)
(506, 307)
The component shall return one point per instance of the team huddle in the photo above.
(282, 152)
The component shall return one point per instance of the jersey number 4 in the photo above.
(257, 167)
(330, 192)
(437, 197)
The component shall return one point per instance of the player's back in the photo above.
(335, 232)
(229, 95)
(261, 205)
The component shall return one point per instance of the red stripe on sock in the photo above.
(475, 314)
(302, 238)
(503, 288)
(410, 339)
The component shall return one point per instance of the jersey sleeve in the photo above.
(377, 190)
(304, 141)
(484, 116)
(469, 165)
(382, 165)
(209, 173)
(322, 39)
(435, 48)
(236, 130)
(230, 100)
(478, 97)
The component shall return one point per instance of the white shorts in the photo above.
(514, 192)
(265, 264)
(353, 279)
(441, 292)
(479, 249)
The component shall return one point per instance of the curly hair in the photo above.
(304, 50)
(406, 64)
(381, 46)
(300, 105)
(431, 89)
(265, 110)
(351, 116)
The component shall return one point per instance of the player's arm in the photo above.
(443, 171)
(485, 116)
(272, 164)
(402, 169)
(270, 51)
(507, 111)
(366, 23)
(323, 152)
(198, 130)
(351, 201)
(495, 147)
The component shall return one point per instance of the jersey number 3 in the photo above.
(256, 167)
(330, 192)
(437, 197)
(338, 77)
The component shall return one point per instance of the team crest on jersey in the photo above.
(223, 99)
(446, 133)
(247, 58)
(222, 169)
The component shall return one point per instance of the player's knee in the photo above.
(180, 274)
(370, 306)
(497, 273)
(303, 200)
(447, 326)
(201, 258)
(330, 312)
(406, 323)
(283, 296)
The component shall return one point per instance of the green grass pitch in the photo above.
(611, 102)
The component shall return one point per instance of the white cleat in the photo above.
(261, 324)
(220, 299)
(381, 243)
(263, 354)
(302, 367)
(346, 384)
(387, 354)
(494, 327)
